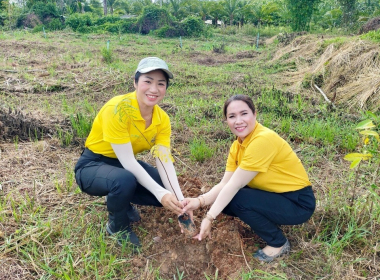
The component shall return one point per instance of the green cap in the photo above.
(149, 64)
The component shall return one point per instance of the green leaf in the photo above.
(355, 163)
(372, 115)
(366, 124)
(370, 132)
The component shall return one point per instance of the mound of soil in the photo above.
(372, 24)
(228, 251)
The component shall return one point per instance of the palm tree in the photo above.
(231, 7)
(260, 12)
(216, 11)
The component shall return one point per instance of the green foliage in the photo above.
(55, 24)
(107, 55)
(373, 36)
(80, 21)
(193, 26)
(152, 18)
(106, 19)
(349, 12)
(301, 12)
(129, 26)
(200, 151)
(45, 11)
(169, 31)
(81, 124)
(38, 28)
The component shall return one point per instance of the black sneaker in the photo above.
(125, 236)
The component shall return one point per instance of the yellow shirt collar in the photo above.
(156, 120)
(249, 136)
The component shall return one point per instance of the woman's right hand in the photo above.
(170, 202)
(190, 204)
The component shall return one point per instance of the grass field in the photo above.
(50, 91)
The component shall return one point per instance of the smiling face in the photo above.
(240, 119)
(150, 89)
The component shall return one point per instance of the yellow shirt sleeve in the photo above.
(232, 162)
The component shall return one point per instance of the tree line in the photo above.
(300, 15)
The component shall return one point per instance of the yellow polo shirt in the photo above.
(120, 122)
(264, 151)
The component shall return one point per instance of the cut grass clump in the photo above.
(200, 150)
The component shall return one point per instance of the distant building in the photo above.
(209, 21)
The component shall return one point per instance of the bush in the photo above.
(169, 31)
(111, 27)
(85, 29)
(106, 19)
(193, 26)
(373, 36)
(152, 18)
(45, 11)
(79, 20)
(129, 26)
(38, 28)
(55, 24)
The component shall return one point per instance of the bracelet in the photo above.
(204, 199)
(209, 217)
(200, 202)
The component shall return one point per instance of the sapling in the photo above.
(369, 150)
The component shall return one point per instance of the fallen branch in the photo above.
(324, 95)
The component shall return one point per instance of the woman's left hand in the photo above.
(205, 230)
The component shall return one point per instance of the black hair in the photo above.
(240, 97)
(138, 74)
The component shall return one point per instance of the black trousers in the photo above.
(98, 175)
(264, 211)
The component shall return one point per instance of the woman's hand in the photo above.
(205, 230)
(170, 202)
(190, 204)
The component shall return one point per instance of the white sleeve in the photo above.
(167, 172)
(238, 180)
(124, 153)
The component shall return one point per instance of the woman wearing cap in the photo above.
(265, 183)
(125, 126)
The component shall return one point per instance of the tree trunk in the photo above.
(105, 7)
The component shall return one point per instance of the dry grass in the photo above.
(350, 69)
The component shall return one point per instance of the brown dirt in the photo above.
(227, 251)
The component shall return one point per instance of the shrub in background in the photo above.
(129, 25)
(170, 31)
(152, 18)
(80, 21)
(193, 26)
(45, 11)
(55, 24)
